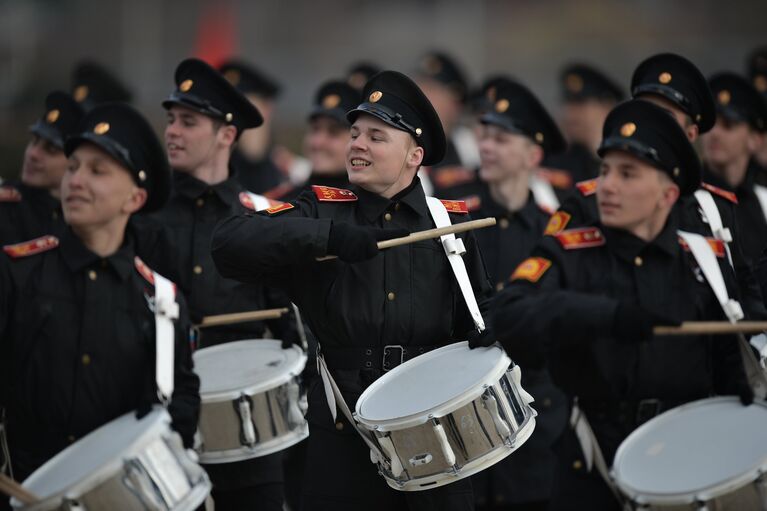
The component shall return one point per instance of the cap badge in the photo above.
(628, 129)
(574, 83)
(80, 93)
(331, 101)
(52, 116)
(724, 97)
(186, 85)
(539, 137)
(760, 82)
(232, 76)
(502, 105)
(664, 78)
(101, 128)
(375, 96)
(357, 80)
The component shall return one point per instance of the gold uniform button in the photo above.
(577, 465)
(197, 269)
(499, 286)
(200, 202)
(339, 426)
(390, 296)
(638, 261)
(503, 223)
(387, 217)
(546, 402)
(86, 359)
(71, 439)
(92, 275)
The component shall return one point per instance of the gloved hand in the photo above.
(746, 394)
(143, 409)
(632, 323)
(481, 339)
(352, 243)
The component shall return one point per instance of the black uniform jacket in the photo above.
(27, 213)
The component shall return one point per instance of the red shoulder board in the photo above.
(473, 202)
(584, 237)
(9, 194)
(285, 206)
(279, 190)
(447, 177)
(587, 187)
(144, 270)
(31, 247)
(716, 245)
(557, 223)
(330, 194)
(531, 269)
(455, 206)
(247, 201)
(557, 178)
(730, 196)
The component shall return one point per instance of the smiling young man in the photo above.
(32, 208)
(77, 329)
(405, 298)
(587, 300)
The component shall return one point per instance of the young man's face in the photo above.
(380, 158)
(96, 189)
(44, 164)
(630, 192)
(325, 145)
(504, 154)
(582, 121)
(191, 139)
(728, 141)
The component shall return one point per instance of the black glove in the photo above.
(633, 323)
(143, 409)
(481, 339)
(353, 244)
(746, 395)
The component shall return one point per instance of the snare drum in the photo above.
(125, 465)
(708, 454)
(446, 415)
(252, 402)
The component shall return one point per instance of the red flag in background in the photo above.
(216, 32)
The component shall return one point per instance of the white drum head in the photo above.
(699, 448)
(89, 456)
(434, 383)
(254, 366)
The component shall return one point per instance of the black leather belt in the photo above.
(630, 412)
(385, 358)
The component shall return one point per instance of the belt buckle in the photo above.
(385, 364)
(647, 409)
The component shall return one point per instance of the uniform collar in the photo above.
(188, 186)
(628, 247)
(77, 257)
(373, 205)
(527, 214)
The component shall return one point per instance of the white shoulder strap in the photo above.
(428, 186)
(165, 311)
(454, 249)
(543, 194)
(761, 195)
(714, 219)
(704, 255)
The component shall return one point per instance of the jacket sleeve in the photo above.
(185, 405)
(262, 247)
(533, 315)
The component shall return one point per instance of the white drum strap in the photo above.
(714, 219)
(428, 186)
(259, 201)
(454, 249)
(706, 259)
(592, 453)
(336, 400)
(165, 312)
(543, 194)
(761, 196)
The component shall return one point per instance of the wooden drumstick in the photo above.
(712, 327)
(15, 490)
(241, 317)
(429, 234)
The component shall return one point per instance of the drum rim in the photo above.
(92, 480)
(703, 493)
(212, 396)
(246, 453)
(502, 366)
